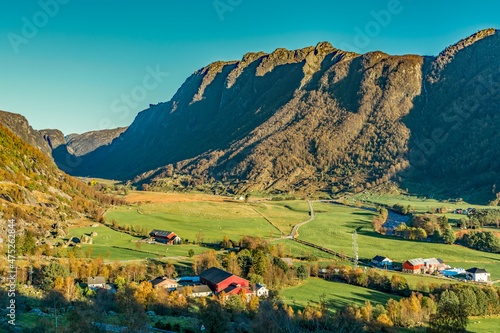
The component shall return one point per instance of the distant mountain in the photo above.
(82, 144)
(65, 151)
(323, 119)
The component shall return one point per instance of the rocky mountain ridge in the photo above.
(321, 119)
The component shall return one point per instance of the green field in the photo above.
(186, 219)
(284, 214)
(301, 250)
(420, 204)
(491, 325)
(337, 295)
(122, 246)
(334, 228)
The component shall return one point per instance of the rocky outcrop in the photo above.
(82, 144)
(54, 138)
(20, 127)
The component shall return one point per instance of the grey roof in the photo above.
(161, 233)
(476, 270)
(196, 289)
(96, 280)
(418, 261)
(431, 261)
(215, 275)
(440, 261)
(288, 261)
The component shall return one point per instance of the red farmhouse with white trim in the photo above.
(219, 280)
(166, 237)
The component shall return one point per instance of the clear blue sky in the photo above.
(72, 72)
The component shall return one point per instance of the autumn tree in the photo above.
(145, 294)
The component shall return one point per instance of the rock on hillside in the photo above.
(54, 138)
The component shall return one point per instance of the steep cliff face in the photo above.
(314, 118)
(53, 137)
(455, 140)
(20, 127)
(82, 144)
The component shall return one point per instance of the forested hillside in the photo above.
(36, 193)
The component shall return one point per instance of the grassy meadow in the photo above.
(421, 205)
(333, 228)
(186, 219)
(284, 214)
(337, 295)
(114, 245)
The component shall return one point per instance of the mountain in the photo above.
(20, 127)
(36, 193)
(82, 144)
(65, 151)
(319, 118)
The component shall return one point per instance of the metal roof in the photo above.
(431, 261)
(161, 233)
(196, 289)
(215, 275)
(416, 262)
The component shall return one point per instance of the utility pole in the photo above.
(355, 248)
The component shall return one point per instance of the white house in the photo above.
(477, 274)
(382, 261)
(97, 282)
(261, 290)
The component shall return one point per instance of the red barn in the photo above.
(166, 237)
(219, 280)
(414, 266)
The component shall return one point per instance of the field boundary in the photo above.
(324, 249)
(268, 220)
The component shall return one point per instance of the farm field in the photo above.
(284, 214)
(121, 246)
(490, 325)
(337, 295)
(335, 226)
(186, 219)
(301, 250)
(421, 205)
(161, 197)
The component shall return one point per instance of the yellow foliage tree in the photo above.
(145, 294)
(254, 303)
(384, 320)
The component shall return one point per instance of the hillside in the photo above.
(20, 127)
(37, 194)
(317, 118)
